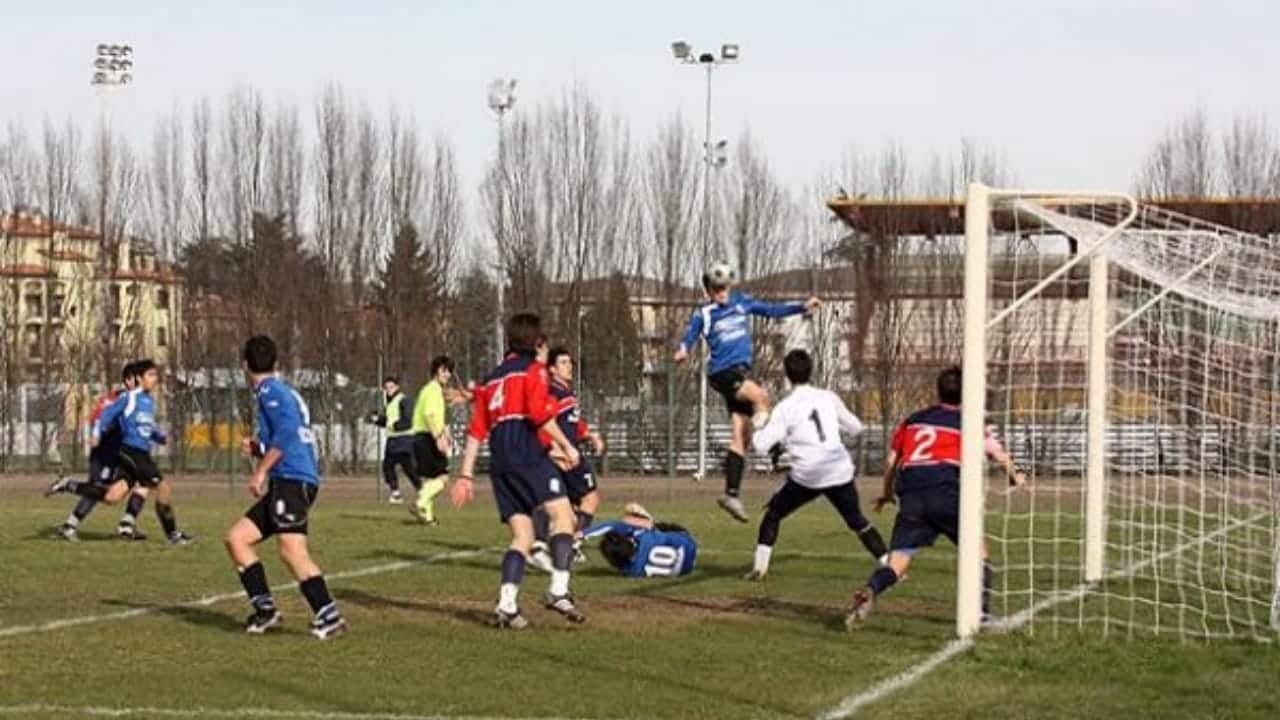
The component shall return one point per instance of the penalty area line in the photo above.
(211, 599)
(250, 712)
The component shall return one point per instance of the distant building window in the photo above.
(162, 337)
(56, 306)
(35, 305)
(162, 298)
(32, 340)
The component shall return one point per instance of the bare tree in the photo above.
(1182, 163)
(1251, 158)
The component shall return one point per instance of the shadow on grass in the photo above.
(454, 610)
(85, 536)
(192, 615)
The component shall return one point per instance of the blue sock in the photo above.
(882, 579)
(512, 568)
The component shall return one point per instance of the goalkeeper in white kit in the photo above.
(808, 424)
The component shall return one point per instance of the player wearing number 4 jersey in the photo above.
(924, 468)
(808, 423)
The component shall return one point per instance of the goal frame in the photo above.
(977, 226)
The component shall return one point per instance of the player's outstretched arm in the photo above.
(849, 422)
(1000, 456)
(778, 310)
(887, 481)
(463, 491)
(773, 432)
(691, 335)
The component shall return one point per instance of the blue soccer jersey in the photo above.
(284, 424)
(727, 328)
(134, 415)
(659, 553)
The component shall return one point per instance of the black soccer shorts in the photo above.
(925, 514)
(284, 508)
(427, 458)
(137, 468)
(726, 383)
(521, 490)
(579, 481)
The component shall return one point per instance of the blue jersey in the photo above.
(659, 553)
(284, 424)
(727, 328)
(133, 415)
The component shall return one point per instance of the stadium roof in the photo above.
(1260, 216)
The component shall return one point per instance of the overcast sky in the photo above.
(1071, 92)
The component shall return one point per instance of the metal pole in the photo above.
(379, 438)
(701, 471)
(499, 345)
(1096, 418)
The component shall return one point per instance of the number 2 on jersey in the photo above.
(924, 439)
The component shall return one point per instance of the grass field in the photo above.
(143, 630)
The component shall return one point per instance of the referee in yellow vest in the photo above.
(396, 417)
(432, 443)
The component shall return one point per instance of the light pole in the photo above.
(502, 97)
(714, 156)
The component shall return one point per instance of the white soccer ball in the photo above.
(720, 274)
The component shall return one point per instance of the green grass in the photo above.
(706, 646)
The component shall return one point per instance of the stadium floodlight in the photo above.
(502, 95)
(714, 156)
(112, 65)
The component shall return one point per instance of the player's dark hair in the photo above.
(390, 379)
(260, 354)
(949, 386)
(799, 366)
(128, 372)
(556, 353)
(618, 549)
(440, 361)
(141, 367)
(523, 331)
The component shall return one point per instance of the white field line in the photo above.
(211, 599)
(206, 712)
(855, 702)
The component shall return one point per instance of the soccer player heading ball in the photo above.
(725, 325)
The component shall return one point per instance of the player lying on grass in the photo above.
(579, 481)
(808, 423)
(103, 460)
(284, 482)
(134, 414)
(640, 547)
(509, 409)
(725, 325)
(923, 469)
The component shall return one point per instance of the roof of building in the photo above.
(945, 216)
(35, 224)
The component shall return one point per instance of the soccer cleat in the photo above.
(396, 498)
(60, 485)
(760, 419)
(259, 621)
(733, 506)
(69, 533)
(540, 558)
(325, 629)
(130, 532)
(863, 602)
(756, 576)
(180, 538)
(509, 620)
(579, 557)
(563, 604)
(635, 508)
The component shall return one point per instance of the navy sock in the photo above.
(584, 520)
(734, 467)
(987, 574)
(561, 551)
(83, 508)
(512, 567)
(872, 541)
(133, 507)
(254, 580)
(882, 579)
(88, 490)
(164, 511)
(317, 594)
(541, 524)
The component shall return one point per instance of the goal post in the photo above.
(1129, 358)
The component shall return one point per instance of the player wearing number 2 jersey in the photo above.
(924, 467)
(808, 424)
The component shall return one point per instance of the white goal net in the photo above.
(1129, 358)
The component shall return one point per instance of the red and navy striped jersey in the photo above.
(513, 401)
(927, 444)
(568, 414)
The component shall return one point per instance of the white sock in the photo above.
(128, 519)
(508, 593)
(72, 521)
(763, 553)
(559, 582)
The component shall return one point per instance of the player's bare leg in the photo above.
(753, 393)
(560, 544)
(240, 541)
(735, 466)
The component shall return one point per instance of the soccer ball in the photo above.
(720, 274)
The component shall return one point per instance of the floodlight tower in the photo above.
(714, 157)
(502, 97)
